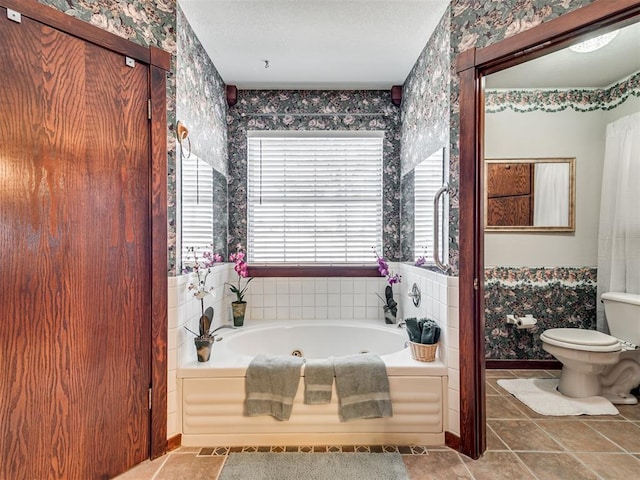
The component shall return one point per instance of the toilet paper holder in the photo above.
(522, 323)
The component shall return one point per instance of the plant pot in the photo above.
(203, 348)
(239, 309)
(390, 315)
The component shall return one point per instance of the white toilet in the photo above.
(594, 363)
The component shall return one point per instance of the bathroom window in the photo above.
(314, 197)
(197, 206)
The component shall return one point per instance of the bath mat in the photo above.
(541, 396)
(314, 466)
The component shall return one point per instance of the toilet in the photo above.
(594, 363)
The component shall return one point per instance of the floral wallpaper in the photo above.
(556, 297)
(314, 110)
(146, 23)
(201, 105)
(201, 102)
(425, 111)
(425, 120)
(580, 100)
(407, 217)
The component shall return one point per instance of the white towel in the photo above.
(362, 387)
(271, 384)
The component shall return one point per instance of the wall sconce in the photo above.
(182, 134)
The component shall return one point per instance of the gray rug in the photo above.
(314, 466)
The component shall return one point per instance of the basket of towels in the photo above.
(423, 338)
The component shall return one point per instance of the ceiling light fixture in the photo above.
(593, 44)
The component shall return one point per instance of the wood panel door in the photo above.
(74, 236)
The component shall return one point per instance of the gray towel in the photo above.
(362, 386)
(318, 379)
(271, 384)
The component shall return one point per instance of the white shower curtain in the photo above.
(551, 199)
(619, 233)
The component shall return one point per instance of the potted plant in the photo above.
(202, 268)
(239, 306)
(390, 306)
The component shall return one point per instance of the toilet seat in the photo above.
(580, 339)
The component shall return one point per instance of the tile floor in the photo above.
(521, 444)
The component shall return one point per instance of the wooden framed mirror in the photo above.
(529, 194)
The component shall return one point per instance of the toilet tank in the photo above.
(623, 315)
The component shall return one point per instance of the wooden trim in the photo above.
(83, 30)
(313, 271)
(472, 385)
(557, 33)
(466, 60)
(540, 40)
(159, 58)
(523, 364)
(452, 440)
(174, 442)
(158, 274)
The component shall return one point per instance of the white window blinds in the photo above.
(428, 180)
(197, 206)
(314, 199)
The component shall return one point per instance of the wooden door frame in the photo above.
(472, 65)
(159, 64)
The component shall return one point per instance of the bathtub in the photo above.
(212, 393)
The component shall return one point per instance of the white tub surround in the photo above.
(212, 393)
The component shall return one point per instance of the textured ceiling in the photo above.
(324, 44)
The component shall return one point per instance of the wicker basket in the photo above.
(422, 352)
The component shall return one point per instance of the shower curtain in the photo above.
(551, 199)
(619, 232)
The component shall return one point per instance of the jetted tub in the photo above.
(212, 393)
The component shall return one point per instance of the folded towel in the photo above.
(271, 384)
(362, 386)
(318, 379)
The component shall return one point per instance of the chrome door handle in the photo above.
(436, 228)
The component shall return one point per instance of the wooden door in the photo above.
(75, 268)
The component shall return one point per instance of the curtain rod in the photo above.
(314, 114)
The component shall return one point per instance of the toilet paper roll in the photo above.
(525, 322)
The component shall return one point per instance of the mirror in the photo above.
(530, 194)
(418, 189)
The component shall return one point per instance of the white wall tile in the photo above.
(282, 312)
(334, 311)
(333, 285)
(308, 300)
(454, 422)
(282, 286)
(295, 286)
(454, 379)
(321, 300)
(321, 286)
(452, 338)
(346, 286)
(270, 313)
(172, 424)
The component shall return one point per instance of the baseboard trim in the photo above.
(523, 364)
(452, 440)
(174, 442)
